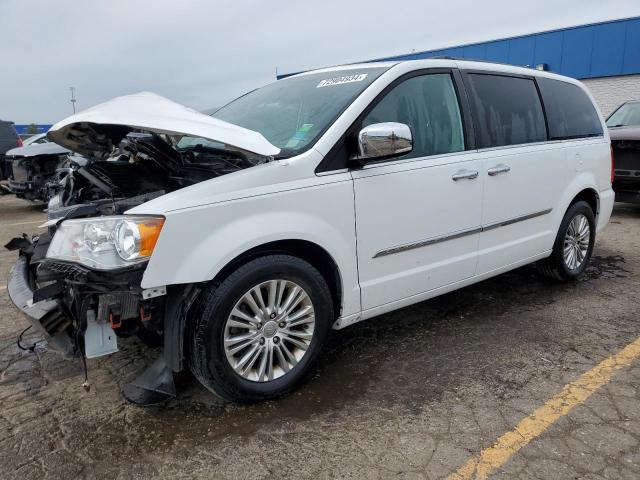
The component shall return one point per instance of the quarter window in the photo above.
(507, 110)
(570, 112)
(429, 106)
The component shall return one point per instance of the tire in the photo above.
(558, 267)
(214, 332)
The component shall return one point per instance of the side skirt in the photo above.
(388, 307)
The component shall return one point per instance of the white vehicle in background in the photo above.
(36, 139)
(358, 190)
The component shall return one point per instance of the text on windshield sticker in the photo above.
(329, 82)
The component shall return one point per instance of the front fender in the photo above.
(197, 243)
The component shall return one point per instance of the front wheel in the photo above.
(573, 245)
(256, 334)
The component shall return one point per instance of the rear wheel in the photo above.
(257, 333)
(573, 245)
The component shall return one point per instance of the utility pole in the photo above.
(73, 99)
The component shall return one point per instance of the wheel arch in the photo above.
(589, 195)
(309, 251)
(582, 187)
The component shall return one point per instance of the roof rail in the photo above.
(447, 57)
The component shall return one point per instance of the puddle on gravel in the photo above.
(605, 267)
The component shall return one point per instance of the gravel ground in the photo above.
(411, 394)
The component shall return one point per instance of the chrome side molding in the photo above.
(464, 233)
(516, 220)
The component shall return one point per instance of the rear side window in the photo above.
(428, 104)
(570, 113)
(507, 110)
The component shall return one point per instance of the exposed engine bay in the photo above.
(141, 167)
(32, 168)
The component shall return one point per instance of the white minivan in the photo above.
(332, 196)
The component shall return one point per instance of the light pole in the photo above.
(73, 99)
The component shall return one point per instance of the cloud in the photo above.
(204, 53)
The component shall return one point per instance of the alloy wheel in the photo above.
(576, 242)
(269, 330)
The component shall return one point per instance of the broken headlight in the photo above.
(105, 243)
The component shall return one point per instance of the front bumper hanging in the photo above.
(50, 317)
(45, 316)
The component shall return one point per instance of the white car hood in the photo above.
(150, 112)
(36, 149)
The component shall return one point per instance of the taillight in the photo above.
(20, 142)
(612, 164)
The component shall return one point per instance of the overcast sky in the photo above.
(203, 53)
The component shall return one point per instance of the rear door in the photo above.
(524, 174)
(418, 216)
(573, 119)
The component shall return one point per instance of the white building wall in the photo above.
(610, 92)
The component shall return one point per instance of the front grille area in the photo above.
(67, 269)
(126, 303)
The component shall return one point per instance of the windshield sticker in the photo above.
(298, 137)
(342, 80)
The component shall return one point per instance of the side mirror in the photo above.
(383, 140)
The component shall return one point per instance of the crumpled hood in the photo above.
(100, 127)
(624, 133)
(37, 149)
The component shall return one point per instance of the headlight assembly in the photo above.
(106, 243)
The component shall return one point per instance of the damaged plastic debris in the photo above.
(99, 338)
(153, 387)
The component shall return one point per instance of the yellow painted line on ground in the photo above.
(572, 395)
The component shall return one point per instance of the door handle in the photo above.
(464, 175)
(498, 169)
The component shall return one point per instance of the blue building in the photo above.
(605, 56)
(22, 129)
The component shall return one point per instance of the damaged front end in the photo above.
(79, 283)
(32, 168)
(82, 311)
(62, 298)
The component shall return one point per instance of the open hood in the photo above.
(36, 149)
(97, 129)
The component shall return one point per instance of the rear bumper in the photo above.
(45, 316)
(607, 199)
(628, 196)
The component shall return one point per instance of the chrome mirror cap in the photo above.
(386, 139)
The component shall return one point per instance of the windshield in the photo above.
(292, 113)
(627, 115)
(39, 138)
(191, 142)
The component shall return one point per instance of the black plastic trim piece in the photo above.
(178, 301)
